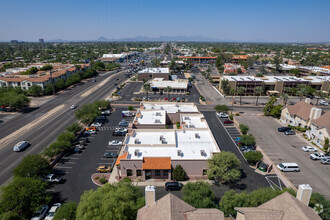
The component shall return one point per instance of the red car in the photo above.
(165, 98)
(174, 99)
(228, 122)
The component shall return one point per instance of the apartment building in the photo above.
(275, 84)
(41, 78)
(151, 152)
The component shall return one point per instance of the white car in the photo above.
(121, 129)
(73, 106)
(322, 102)
(96, 124)
(222, 115)
(309, 149)
(115, 142)
(52, 178)
(40, 213)
(317, 156)
(21, 146)
(90, 132)
(51, 213)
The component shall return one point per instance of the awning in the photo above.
(123, 156)
(156, 163)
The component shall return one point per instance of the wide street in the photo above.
(42, 133)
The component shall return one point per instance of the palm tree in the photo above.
(302, 90)
(318, 94)
(168, 89)
(285, 98)
(240, 91)
(146, 88)
(258, 91)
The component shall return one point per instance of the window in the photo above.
(138, 172)
(29, 84)
(150, 76)
(157, 172)
(129, 172)
(204, 172)
(165, 172)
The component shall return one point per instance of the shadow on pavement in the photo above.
(30, 109)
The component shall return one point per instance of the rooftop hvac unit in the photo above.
(158, 114)
(161, 107)
(164, 141)
(161, 137)
(197, 135)
(176, 105)
(136, 153)
(179, 153)
(152, 107)
(137, 141)
(191, 126)
(203, 153)
(186, 118)
(157, 121)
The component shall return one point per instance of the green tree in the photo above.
(221, 108)
(285, 98)
(244, 128)
(33, 165)
(74, 128)
(276, 111)
(302, 90)
(66, 137)
(56, 148)
(179, 173)
(130, 108)
(34, 90)
(23, 196)
(112, 201)
(326, 144)
(253, 157)
(225, 86)
(247, 140)
(59, 84)
(277, 61)
(155, 62)
(240, 91)
(10, 216)
(258, 91)
(295, 72)
(66, 211)
(46, 67)
(239, 70)
(224, 166)
(199, 194)
(87, 113)
(146, 88)
(269, 106)
(317, 200)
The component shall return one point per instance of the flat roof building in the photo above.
(151, 73)
(177, 85)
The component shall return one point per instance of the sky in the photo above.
(239, 20)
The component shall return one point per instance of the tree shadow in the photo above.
(29, 109)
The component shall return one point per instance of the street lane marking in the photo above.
(29, 126)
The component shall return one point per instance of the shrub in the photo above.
(253, 157)
(127, 180)
(259, 75)
(179, 173)
(244, 128)
(178, 125)
(96, 178)
(221, 108)
(74, 128)
(199, 194)
(103, 180)
(130, 108)
(231, 116)
(237, 114)
(248, 140)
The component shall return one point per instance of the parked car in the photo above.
(127, 114)
(318, 156)
(21, 146)
(222, 115)
(40, 213)
(171, 186)
(123, 129)
(247, 148)
(97, 124)
(309, 149)
(115, 142)
(325, 160)
(284, 129)
(52, 178)
(110, 155)
(123, 123)
(73, 106)
(104, 169)
(288, 167)
(50, 215)
(85, 139)
(76, 150)
(237, 140)
(106, 112)
(290, 132)
(173, 99)
(228, 122)
(322, 102)
(165, 99)
(183, 99)
(119, 133)
(90, 132)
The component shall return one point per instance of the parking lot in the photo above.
(281, 148)
(78, 168)
(127, 93)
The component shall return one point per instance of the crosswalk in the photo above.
(111, 128)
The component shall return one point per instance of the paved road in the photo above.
(251, 180)
(46, 132)
(281, 148)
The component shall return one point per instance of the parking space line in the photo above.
(70, 162)
(60, 167)
(69, 158)
(105, 163)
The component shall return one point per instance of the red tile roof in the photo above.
(123, 156)
(156, 163)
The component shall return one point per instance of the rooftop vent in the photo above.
(161, 137)
(192, 126)
(158, 114)
(186, 118)
(157, 121)
(197, 135)
(179, 153)
(137, 141)
(137, 152)
(203, 153)
(164, 141)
